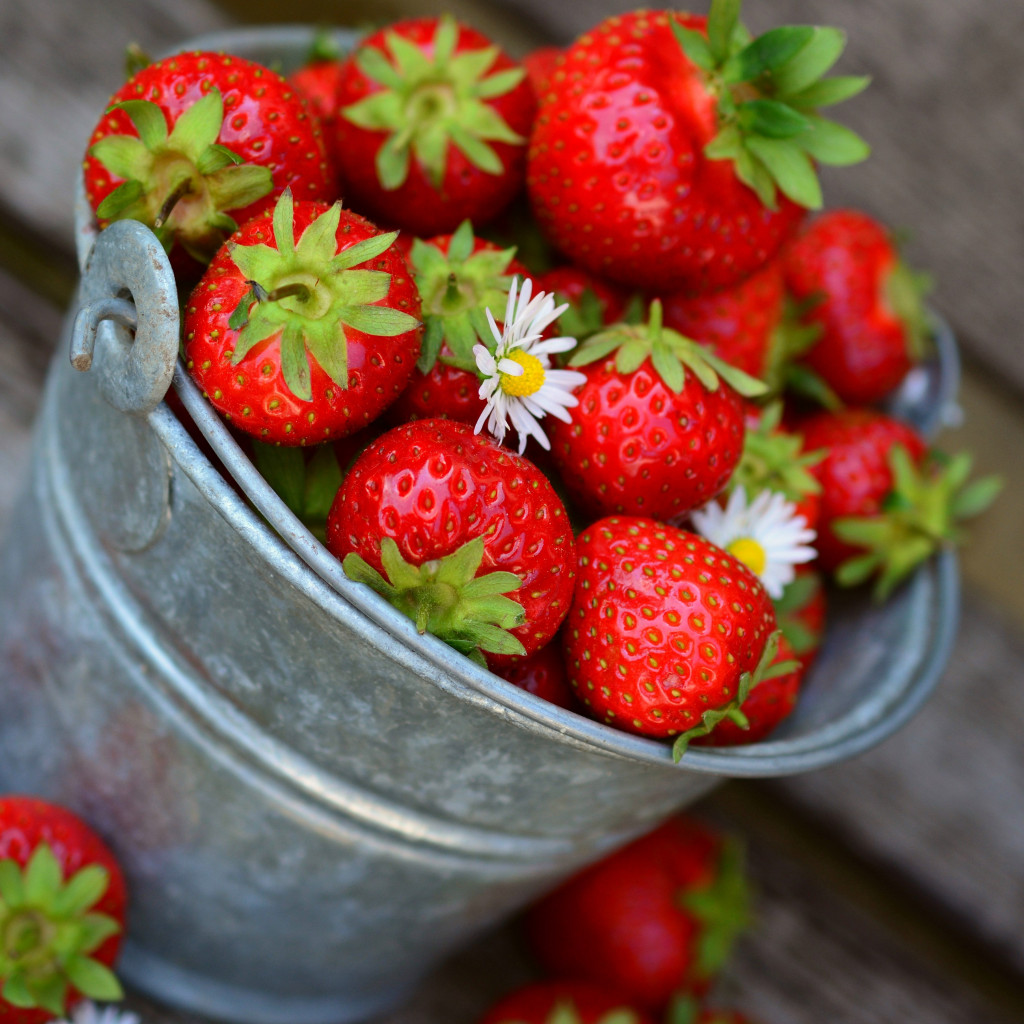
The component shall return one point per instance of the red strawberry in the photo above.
(201, 142)
(319, 76)
(656, 433)
(318, 80)
(767, 704)
(433, 125)
(667, 632)
(539, 64)
(801, 614)
(888, 503)
(655, 918)
(736, 323)
(865, 301)
(455, 521)
(542, 674)
(593, 302)
(305, 326)
(855, 474)
(62, 911)
(663, 141)
(562, 1002)
(459, 277)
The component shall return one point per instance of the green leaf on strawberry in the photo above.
(430, 102)
(723, 907)
(457, 285)
(922, 513)
(732, 710)
(48, 930)
(309, 292)
(773, 460)
(768, 92)
(445, 597)
(161, 170)
(670, 352)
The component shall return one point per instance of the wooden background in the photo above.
(891, 887)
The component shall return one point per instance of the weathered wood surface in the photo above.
(941, 803)
(938, 808)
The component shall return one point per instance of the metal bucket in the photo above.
(314, 804)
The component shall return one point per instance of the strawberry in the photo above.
(736, 323)
(656, 432)
(317, 80)
(459, 277)
(667, 632)
(655, 918)
(542, 674)
(767, 704)
(199, 143)
(433, 125)
(865, 301)
(801, 613)
(855, 474)
(455, 521)
(305, 325)
(673, 152)
(539, 64)
(318, 77)
(563, 1002)
(593, 302)
(62, 912)
(888, 503)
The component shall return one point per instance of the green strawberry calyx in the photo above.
(767, 668)
(905, 291)
(446, 597)
(772, 460)
(48, 931)
(457, 287)
(922, 513)
(309, 293)
(179, 183)
(723, 908)
(796, 596)
(306, 485)
(769, 90)
(428, 101)
(670, 353)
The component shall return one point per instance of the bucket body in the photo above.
(312, 803)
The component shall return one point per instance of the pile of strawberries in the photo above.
(552, 354)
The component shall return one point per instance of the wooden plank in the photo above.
(939, 805)
(59, 64)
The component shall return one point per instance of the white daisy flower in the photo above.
(767, 535)
(87, 1012)
(519, 385)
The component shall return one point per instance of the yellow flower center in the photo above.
(530, 381)
(750, 553)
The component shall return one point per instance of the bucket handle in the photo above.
(127, 328)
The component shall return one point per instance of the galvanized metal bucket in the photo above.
(313, 803)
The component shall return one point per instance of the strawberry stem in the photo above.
(183, 189)
(295, 289)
